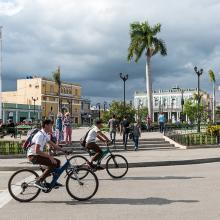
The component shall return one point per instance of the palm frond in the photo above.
(56, 77)
(212, 76)
(143, 36)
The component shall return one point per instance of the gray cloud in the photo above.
(89, 39)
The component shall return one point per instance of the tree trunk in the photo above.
(149, 88)
(213, 104)
(59, 91)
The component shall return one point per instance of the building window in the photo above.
(76, 92)
(52, 89)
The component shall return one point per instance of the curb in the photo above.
(136, 165)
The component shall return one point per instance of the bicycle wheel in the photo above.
(78, 161)
(117, 166)
(21, 185)
(82, 189)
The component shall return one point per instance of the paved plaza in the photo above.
(167, 193)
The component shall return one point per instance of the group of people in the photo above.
(62, 129)
(125, 128)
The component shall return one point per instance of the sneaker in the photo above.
(135, 148)
(99, 167)
(40, 185)
(58, 184)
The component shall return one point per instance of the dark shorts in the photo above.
(93, 146)
(36, 159)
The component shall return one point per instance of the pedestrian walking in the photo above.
(161, 120)
(136, 134)
(59, 128)
(67, 122)
(113, 125)
(125, 129)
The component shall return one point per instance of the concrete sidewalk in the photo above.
(140, 158)
(78, 133)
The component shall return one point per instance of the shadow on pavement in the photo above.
(156, 178)
(121, 201)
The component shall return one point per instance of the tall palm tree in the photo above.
(144, 40)
(213, 80)
(57, 79)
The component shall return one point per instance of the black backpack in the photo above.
(83, 139)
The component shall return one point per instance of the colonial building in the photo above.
(170, 101)
(43, 94)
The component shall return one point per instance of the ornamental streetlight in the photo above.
(199, 73)
(182, 104)
(124, 78)
(34, 99)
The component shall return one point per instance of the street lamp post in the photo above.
(182, 104)
(34, 99)
(124, 78)
(199, 73)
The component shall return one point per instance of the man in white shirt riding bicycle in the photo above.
(91, 144)
(36, 153)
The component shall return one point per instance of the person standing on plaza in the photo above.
(161, 120)
(136, 133)
(149, 122)
(59, 128)
(113, 125)
(125, 131)
(67, 122)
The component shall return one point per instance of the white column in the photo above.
(4, 116)
(16, 116)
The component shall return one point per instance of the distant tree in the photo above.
(213, 81)
(143, 112)
(57, 79)
(144, 40)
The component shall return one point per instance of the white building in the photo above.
(169, 101)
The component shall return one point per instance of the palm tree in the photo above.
(212, 79)
(57, 79)
(144, 40)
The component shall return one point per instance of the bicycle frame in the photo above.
(105, 152)
(57, 172)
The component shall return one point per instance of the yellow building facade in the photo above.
(44, 92)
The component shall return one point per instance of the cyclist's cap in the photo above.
(98, 121)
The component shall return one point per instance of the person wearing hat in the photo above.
(67, 122)
(91, 144)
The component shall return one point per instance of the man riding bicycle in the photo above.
(91, 144)
(36, 155)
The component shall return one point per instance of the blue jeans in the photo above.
(136, 141)
(113, 136)
(161, 124)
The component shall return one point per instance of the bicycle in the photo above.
(116, 164)
(21, 183)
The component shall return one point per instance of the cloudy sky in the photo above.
(89, 40)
